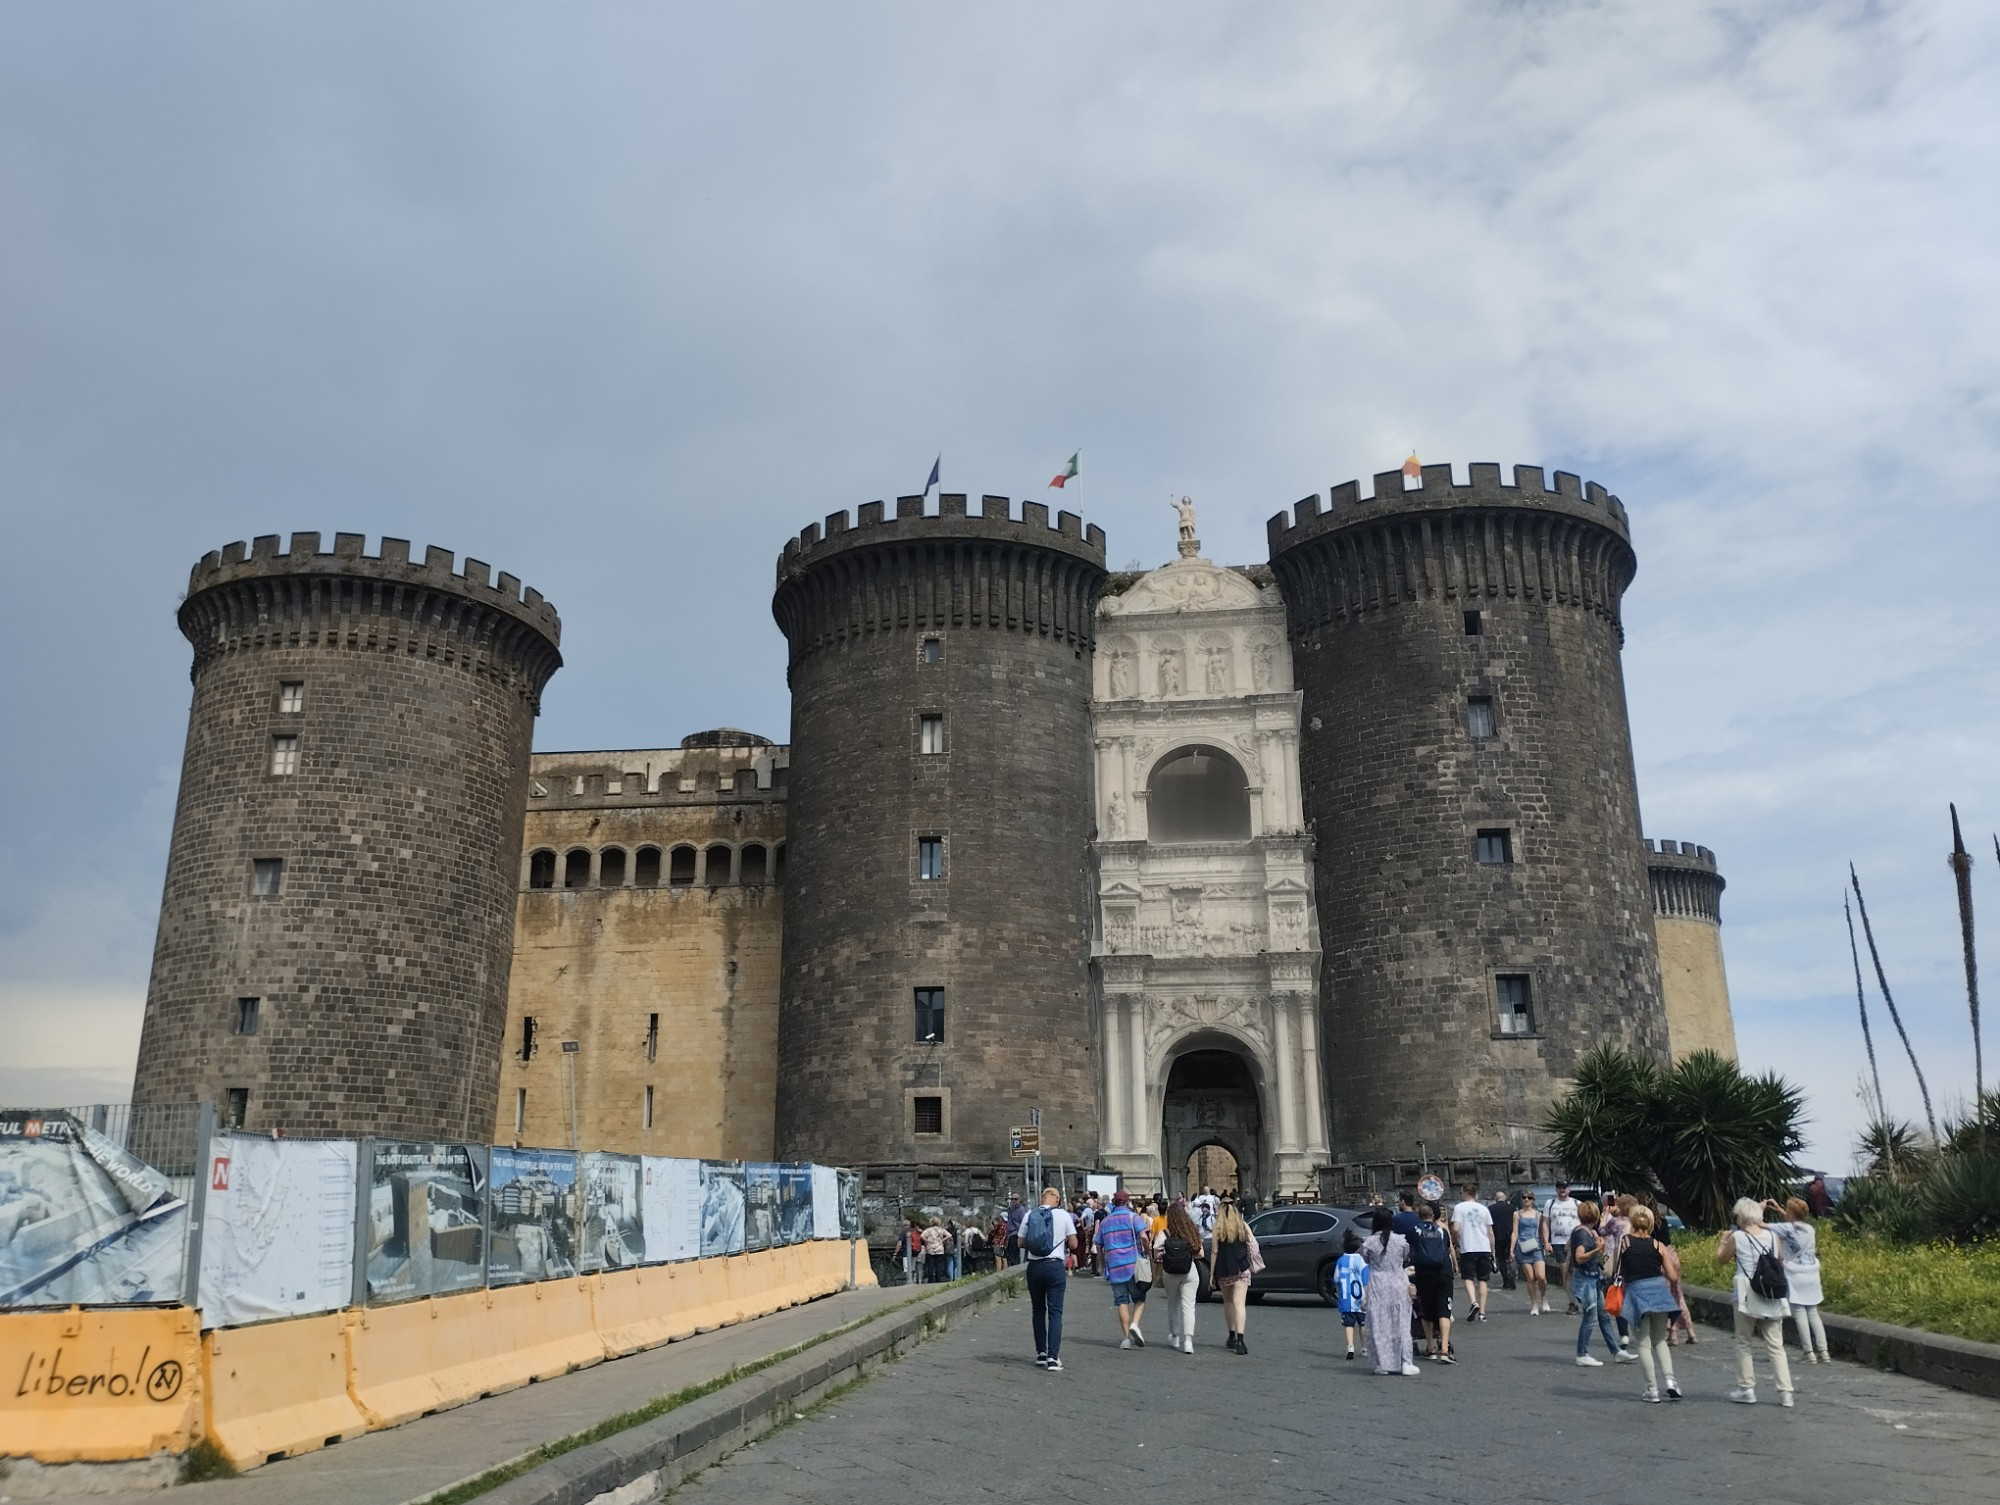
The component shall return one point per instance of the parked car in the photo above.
(1300, 1245)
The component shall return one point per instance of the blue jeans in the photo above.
(1048, 1281)
(1589, 1295)
(954, 1265)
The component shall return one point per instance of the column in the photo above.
(1281, 1070)
(1114, 1076)
(1309, 1063)
(1139, 1136)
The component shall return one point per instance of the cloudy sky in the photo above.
(617, 297)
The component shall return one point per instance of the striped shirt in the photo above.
(1118, 1242)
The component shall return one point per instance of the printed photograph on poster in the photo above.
(277, 1236)
(795, 1205)
(670, 1199)
(721, 1208)
(533, 1216)
(83, 1222)
(763, 1185)
(614, 1235)
(850, 1204)
(426, 1219)
(825, 1201)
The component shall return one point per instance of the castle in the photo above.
(1330, 866)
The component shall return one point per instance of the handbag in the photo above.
(1256, 1257)
(1614, 1298)
(1142, 1273)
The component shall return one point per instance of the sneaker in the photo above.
(1626, 1356)
(1743, 1396)
(1650, 1396)
(1138, 1338)
(1042, 1360)
(1589, 1361)
(1474, 1315)
(1187, 1345)
(1126, 1341)
(1349, 1354)
(1673, 1390)
(1447, 1358)
(1055, 1366)
(1785, 1399)
(1411, 1369)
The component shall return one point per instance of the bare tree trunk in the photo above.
(1895, 1015)
(1961, 872)
(1861, 998)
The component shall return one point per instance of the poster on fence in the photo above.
(533, 1216)
(277, 1237)
(825, 1202)
(670, 1208)
(763, 1185)
(613, 1217)
(722, 1195)
(795, 1205)
(850, 1204)
(426, 1225)
(82, 1222)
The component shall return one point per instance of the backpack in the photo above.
(1038, 1234)
(1430, 1249)
(1767, 1279)
(1177, 1257)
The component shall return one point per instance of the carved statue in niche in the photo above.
(1118, 929)
(1121, 676)
(1186, 907)
(1218, 670)
(1114, 817)
(1288, 927)
(1170, 673)
(1263, 665)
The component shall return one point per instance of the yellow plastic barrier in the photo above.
(642, 1308)
(710, 1280)
(279, 1388)
(99, 1385)
(435, 1354)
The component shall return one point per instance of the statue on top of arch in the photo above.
(1190, 545)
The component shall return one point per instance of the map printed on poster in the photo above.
(722, 1208)
(795, 1205)
(278, 1235)
(83, 1222)
(670, 1198)
(850, 1204)
(613, 1215)
(825, 1202)
(426, 1225)
(763, 1185)
(533, 1216)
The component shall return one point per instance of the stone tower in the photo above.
(338, 920)
(939, 832)
(1484, 906)
(1687, 920)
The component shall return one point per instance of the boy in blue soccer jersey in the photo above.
(1350, 1282)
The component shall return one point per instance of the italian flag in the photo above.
(1068, 472)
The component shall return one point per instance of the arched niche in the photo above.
(1197, 793)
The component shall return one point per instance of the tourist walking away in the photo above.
(1120, 1246)
(1558, 1223)
(1386, 1300)
(1761, 1304)
(1017, 1214)
(1472, 1231)
(1586, 1287)
(1501, 1211)
(1234, 1260)
(1800, 1239)
(1205, 1207)
(1179, 1248)
(1434, 1265)
(1650, 1304)
(1530, 1254)
(1405, 1220)
(1350, 1289)
(937, 1258)
(1048, 1238)
(1147, 1273)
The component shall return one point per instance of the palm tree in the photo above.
(1716, 1134)
(1961, 872)
(1895, 1017)
(1597, 1129)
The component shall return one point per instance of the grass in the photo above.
(1940, 1288)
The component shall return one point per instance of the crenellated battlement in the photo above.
(265, 558)
(1686, 885)
(953, 520)
(1438, 491)
(1679, 855)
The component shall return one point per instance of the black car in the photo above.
(1300, 1245)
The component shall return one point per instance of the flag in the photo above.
(1412, 469)
(1068, 472)
(934, 473)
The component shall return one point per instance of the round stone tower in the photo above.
(938, 896)
(1687, 921)
(1483, 896)
(338, 920)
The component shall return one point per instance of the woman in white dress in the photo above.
(1796, 1233)
(1757, 1316)
(1386, 1302)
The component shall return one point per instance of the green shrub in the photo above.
(1960, 1198)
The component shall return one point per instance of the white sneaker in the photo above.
(1138, 1338)
(1743, 1396)
(1650, 1396)
(1411, 1369)
(1626, 1356)
(1054, 1366)
(1589, 1361)
(1785, 1399)
(1126, 1341)
(1187, 1345)
(1041, 1361)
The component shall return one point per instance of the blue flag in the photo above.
(934, 473)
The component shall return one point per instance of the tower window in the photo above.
(652, 1038)
(646, 1120)
(611, 867)
(542, 869)
(576, 869)
(520, 1110)
(646, 869)
(246, 1015)
(267, 876)
(1516, 1001)
(291, 697)
(930, 857)
(927, 1115)
(1479, 717)
(680, 868)
(528, 1032)
(751, 863)
(1496, 848)
(715, 866)
(930, 734)
(236, 1108)
(930, 1015)
(284, 756)
(1475, 625)
(933, 650)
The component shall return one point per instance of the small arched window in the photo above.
(752, 870)
(680, 870)
(576, 869)
(1198, 793)
(717, 866)
(611, 867)
(646, 870)
(542, 869)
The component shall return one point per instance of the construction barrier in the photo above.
(643, 1308)
(100, 1385)
(279, 1388)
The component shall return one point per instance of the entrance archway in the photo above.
(1211, 1102)
(1212, 1166)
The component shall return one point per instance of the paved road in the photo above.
(968, 1416)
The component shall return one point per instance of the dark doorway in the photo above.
(1213, 1109)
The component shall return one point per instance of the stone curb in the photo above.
(1959, 1363)
(646, 1461)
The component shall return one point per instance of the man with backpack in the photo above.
(1434, 1265)
(1048, 1235)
